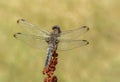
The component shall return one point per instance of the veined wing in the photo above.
(74, 33)
(71, 44)
(32, 29)
(32, 40)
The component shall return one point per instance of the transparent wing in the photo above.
(71, 44)
(30, 28)
(74, 33)
(32, 40)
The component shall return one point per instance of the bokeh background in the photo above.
(97, 62)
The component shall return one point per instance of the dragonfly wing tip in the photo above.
(15, 35)
(86, 27)
(18, 21)
(86, 41)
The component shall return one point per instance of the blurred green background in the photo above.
(97, 62)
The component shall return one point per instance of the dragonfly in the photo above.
(41, 38)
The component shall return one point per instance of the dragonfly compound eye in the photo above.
(56, 27)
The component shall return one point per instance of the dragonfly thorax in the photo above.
(52, 39)
(54, 35)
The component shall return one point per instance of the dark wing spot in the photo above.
(18, 21)
(85, 27)
(86, 41)
(15, 35)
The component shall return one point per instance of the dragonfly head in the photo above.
(56, 29)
